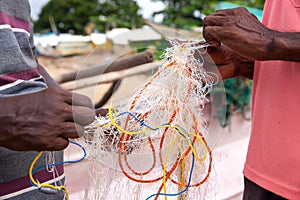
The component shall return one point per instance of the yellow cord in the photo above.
(44, 184)
(113, 122)
(166, 161)
(112, 115)
(169, 152)
(112, 110)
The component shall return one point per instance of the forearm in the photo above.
(283, 46)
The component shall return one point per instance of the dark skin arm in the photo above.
(229, 63)
(241, 38)
(49, 80)
(52, 83)
(43, 120)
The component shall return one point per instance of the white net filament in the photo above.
(153, 145)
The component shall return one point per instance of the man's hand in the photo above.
(228, 63)
(43, 120)
(101, 111)
(221, 57)
(240, 31)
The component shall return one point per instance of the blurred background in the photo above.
(76, 27)
(86, 36)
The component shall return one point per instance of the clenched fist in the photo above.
(240, 31)
(43, 120)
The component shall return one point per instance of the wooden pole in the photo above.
(117, 65)
(110, 77)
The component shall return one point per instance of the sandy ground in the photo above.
(232, 144)
(59, 65)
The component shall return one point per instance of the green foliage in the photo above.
(69, 15)
(75, 15)
(182, 13)
(238, 95)
(158, 45)
(118, 13)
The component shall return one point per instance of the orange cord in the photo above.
(123, 139)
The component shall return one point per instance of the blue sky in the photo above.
(148, 7)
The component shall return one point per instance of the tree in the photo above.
(118, 13)
(74, 15)
(69, 15)
(189, 13)
(183, 13)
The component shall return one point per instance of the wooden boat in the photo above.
(67, 44)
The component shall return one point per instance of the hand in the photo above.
(228, 63)
(222, 57)
(43, 120)
(101, 111)
(219, 56)
(240, 31)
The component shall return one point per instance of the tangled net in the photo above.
(154, 145)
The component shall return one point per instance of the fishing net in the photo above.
(157, 144)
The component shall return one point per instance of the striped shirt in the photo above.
(18, 67)
(19, 75)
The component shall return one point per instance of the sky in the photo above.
(147, 6)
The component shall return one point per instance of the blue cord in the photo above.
(62, 162)
(182, 191)
(193, 157)
(136, 119)
(141, 122)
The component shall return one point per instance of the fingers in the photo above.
(81, 100)
(213, 20)
(77, 99)
(210, 24)
(101, 111)
(231, 11)
(71, 130)
(78, 114)
(79, 109)
(212, 36)
(83, 115)
(60, 143)
(221, 24)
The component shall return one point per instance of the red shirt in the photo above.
(273, 159)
